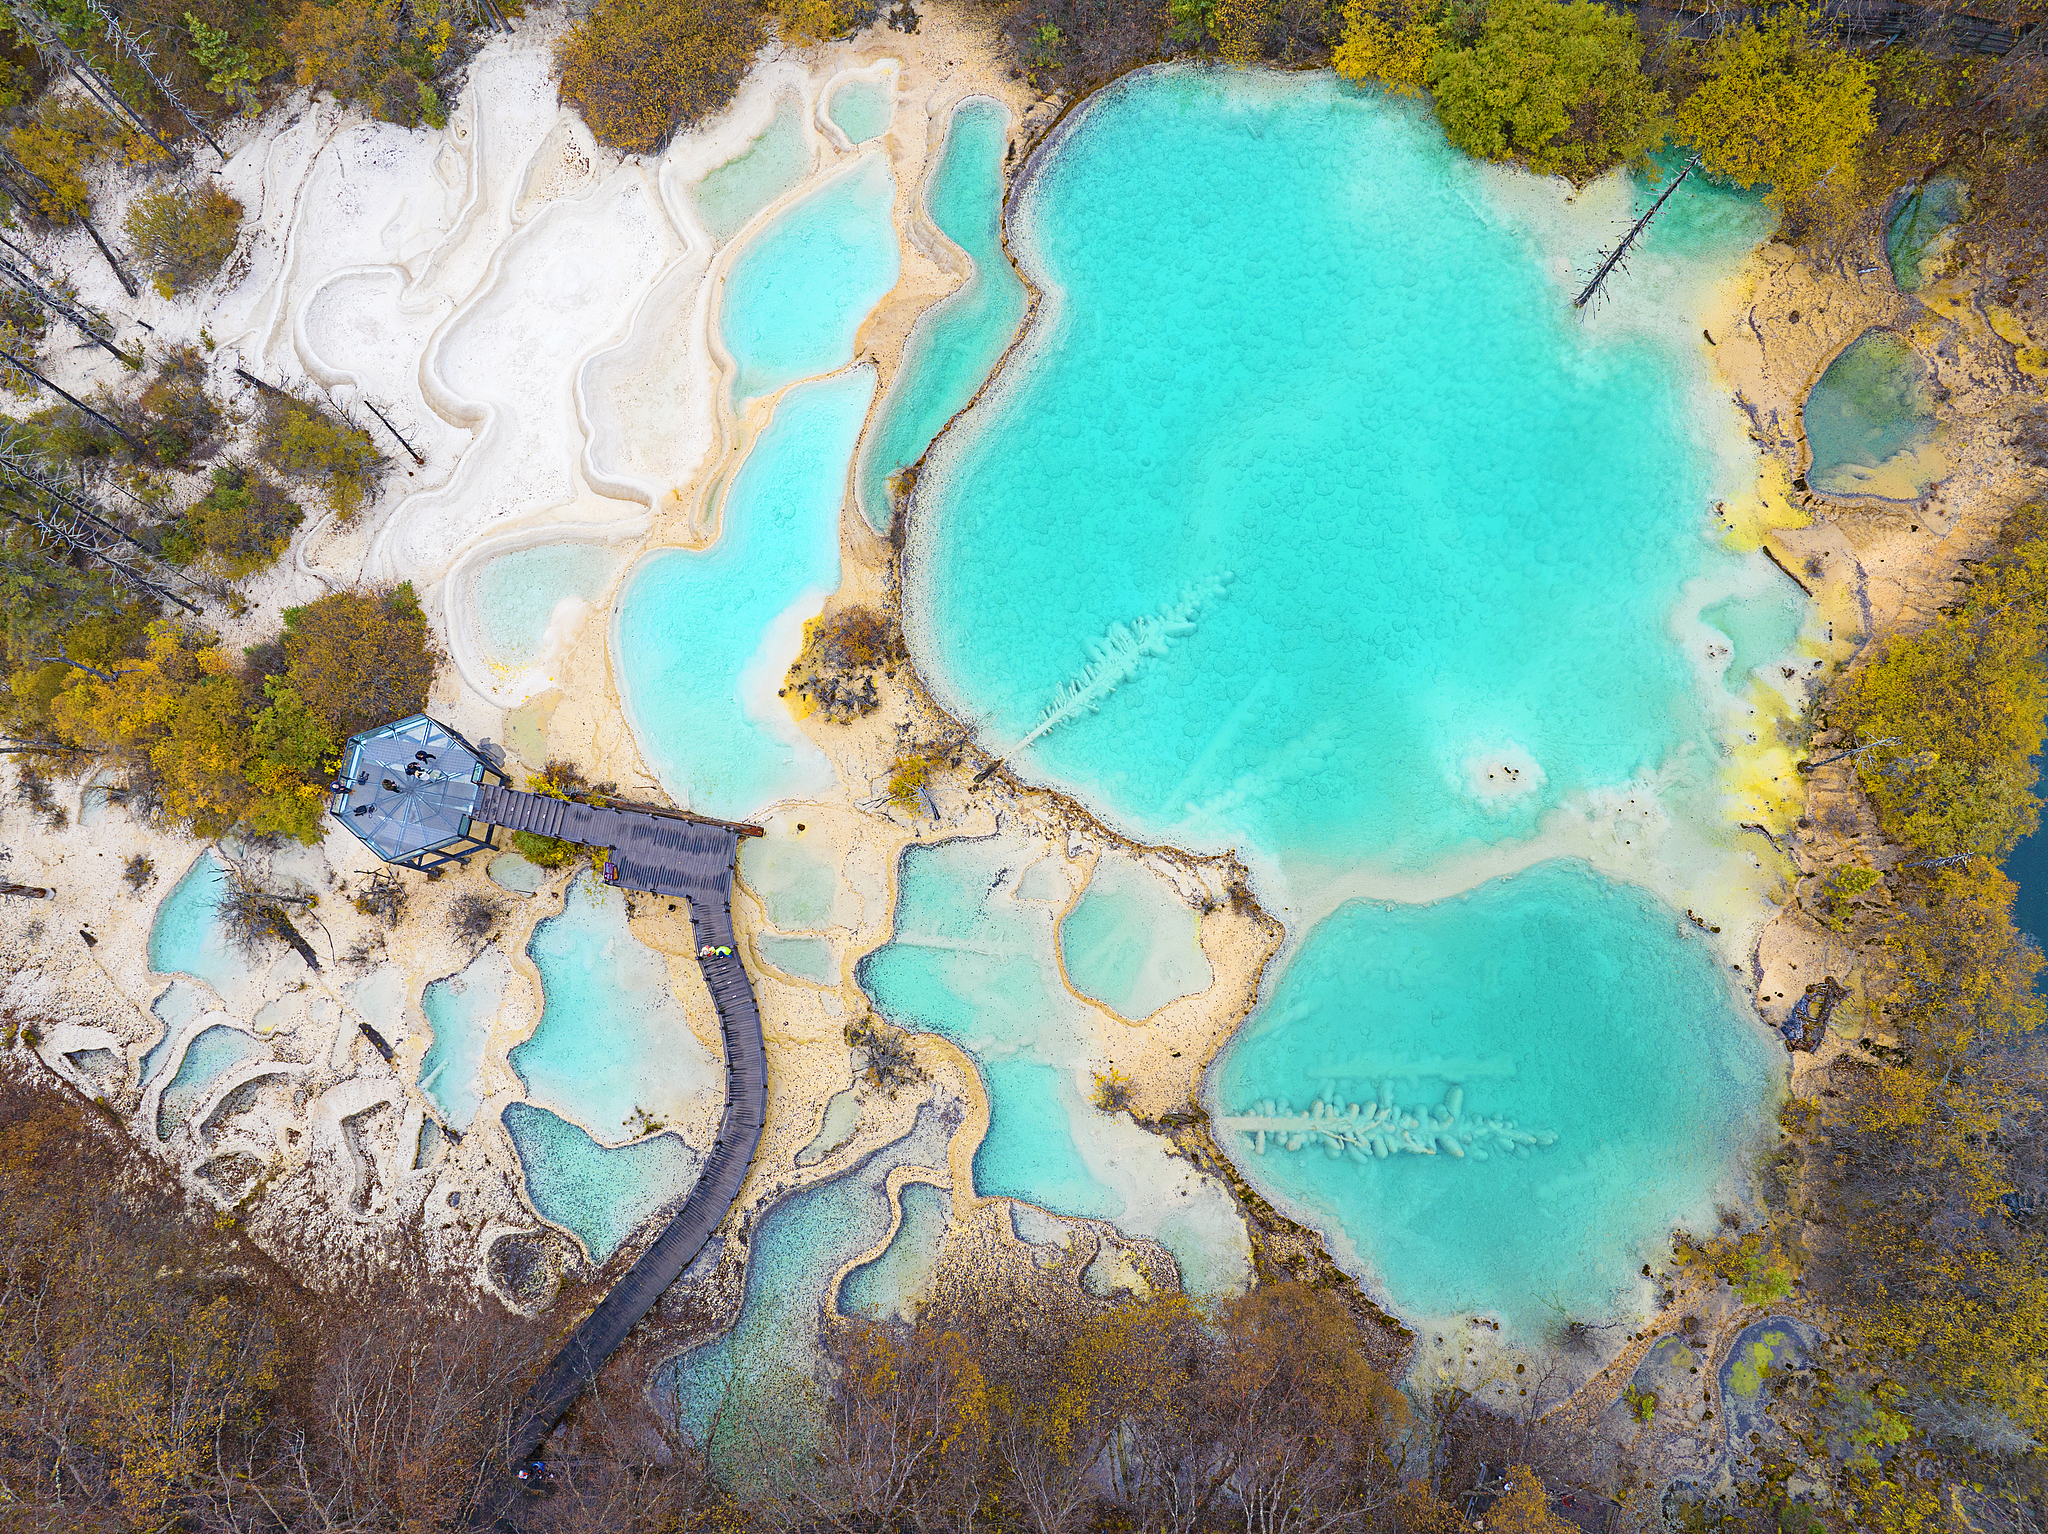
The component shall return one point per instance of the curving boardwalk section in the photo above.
(662, 855)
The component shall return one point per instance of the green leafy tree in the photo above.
(242, 524)
(1558, 85)
(233, 70)
(306, 443)
(1779, 105)
(360, 658)
(382, 53)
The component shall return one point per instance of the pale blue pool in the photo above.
(957, 340)
(612, 1042)
(1573, 1007)
(460, 1009)
(798, 291)
(601, 1194)
(862, 108)
(510, 871)
(762, 1376)
(1760, 629)
(769, 166)
(805, 958)
(1131, 943)
(176, 1007)
(793, 877)
(209, 1057)
(516, 596)
(187, 938)
(701, 640)
(890, 1287)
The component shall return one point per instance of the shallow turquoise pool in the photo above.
(890, 1287)
(460, 1009)
(769, 166)
(761, 1378)
(1131, 943)
(797, 293)
(1294, 504)
(955, 342)
(973, 961)
(517, 596)
(1760, 629)
(862, 108)
(701, 640)
(1571, 1006)
(613, 1048)
(187, 938)
(1870, 421)
(209, 1057)
(794, 878)
(600, 1193)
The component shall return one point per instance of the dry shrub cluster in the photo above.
(640, 69)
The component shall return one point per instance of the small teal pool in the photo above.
(863, 108)
(613, 1048)
(517, 597)
(955, 342)
(461, 1009)
(1870, 422)
(209, 1057)
(701, 639)
(1504, 1102)
(769, 166)
(601, 1194)
(796, 295)
(187, 938)
(176, 1007)
(761, 1378)
(1917, 229)
(1131, 943)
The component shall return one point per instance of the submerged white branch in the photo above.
(1382, 1129)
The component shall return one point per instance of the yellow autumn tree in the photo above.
(382, 53)
(639, 69)
(183, 707)
(1395, 54)
(61, 143)
(1780, 106)
(804, 22)
(1950, 719)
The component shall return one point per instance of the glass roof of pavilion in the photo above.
(408, 787)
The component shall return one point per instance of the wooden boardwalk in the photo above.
(661, 854)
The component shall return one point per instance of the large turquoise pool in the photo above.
(1311, 520)
(1571, 1047)
(1320, 497)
